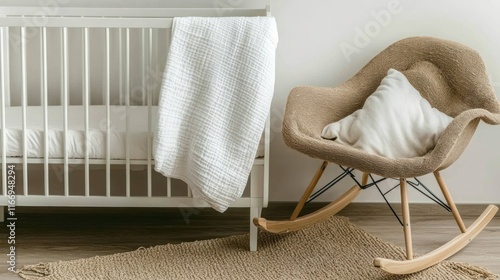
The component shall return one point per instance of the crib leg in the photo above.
(256, 202)
(254, 212)
(2, 214)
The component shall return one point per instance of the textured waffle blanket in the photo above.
(215, 98)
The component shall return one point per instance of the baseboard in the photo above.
(381, 209)
(424, 209)
(281, 209)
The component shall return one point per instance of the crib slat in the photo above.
(41, 66)
(24, 104)
(149, 93)
(4, 55)
(86, 107)
(144, 66)
(65, 70)
(120, 65)
(61, 35)
(127, 104)
(108, 115)
(45, 113)
(156, 68)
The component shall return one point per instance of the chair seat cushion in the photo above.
(394, 122)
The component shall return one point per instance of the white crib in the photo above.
(79, 88)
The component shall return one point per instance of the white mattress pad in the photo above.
(138, 132)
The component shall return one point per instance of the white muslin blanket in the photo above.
(214, 101)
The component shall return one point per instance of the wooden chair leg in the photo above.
(451, 203)
(308, 191)
(364, 179)
(406, 218)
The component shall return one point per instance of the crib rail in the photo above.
(87, 22)
(164, 13)
(41, 50)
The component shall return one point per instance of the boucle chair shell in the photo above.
(451, 76)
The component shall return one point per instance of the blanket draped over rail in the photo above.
(214, 101)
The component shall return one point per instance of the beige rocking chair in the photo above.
(451, 77)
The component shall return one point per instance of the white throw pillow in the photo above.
(395, 121)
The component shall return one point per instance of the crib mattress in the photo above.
(138, 132)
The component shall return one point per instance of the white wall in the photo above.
(312, 35)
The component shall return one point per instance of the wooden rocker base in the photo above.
(310, 219)
(410, 265)
(441, 253)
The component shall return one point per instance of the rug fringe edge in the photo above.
(35, 271)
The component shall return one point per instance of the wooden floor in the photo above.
(54, 234)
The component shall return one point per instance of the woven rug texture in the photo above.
(334, 249)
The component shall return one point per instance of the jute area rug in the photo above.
(335, 249)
